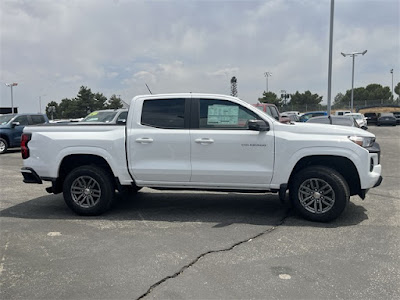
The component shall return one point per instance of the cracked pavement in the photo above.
(196, 245)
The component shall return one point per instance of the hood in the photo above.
(322, 129)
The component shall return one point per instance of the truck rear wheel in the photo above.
(88, 190)
(3, 146)
(319, 193)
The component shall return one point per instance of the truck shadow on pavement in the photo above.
(221, 208)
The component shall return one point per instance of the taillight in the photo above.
(25, 138)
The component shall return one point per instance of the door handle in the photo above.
(204, 141)
(144, 140)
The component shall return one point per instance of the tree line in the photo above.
(372, 94)
(84, 103)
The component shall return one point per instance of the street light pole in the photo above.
(40, 103)
(267, 74)
(330, 58)
(12, 99)
(391, 71)
(353, 54)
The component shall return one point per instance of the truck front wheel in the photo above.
(88, 190)
(319, 193)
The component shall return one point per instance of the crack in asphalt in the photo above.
(193, 262)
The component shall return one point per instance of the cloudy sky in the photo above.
(52, 47)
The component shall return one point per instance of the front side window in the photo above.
(23, 120)
(164, 113)
(223, 114)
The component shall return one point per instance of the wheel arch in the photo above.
(343, 165)
(6, 138)
(73, 161)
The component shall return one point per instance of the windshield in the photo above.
(100, 116)
(5, 119)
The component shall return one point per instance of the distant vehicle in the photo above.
(397, 116)
(308, 115)
(288, 113)
(342, 112)
(272, 110)
(386, 119)
(360, 118)
(294, 118)
(371, 117)
(337, 120)
(12, 125)
(112, 116)
(58, 121)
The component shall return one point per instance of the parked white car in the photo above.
(342, 112)
(360, 118)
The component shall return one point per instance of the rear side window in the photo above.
(164, 113)
(37, 119)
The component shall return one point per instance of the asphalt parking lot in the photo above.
(189, 245)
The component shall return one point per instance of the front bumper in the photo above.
(30, 176)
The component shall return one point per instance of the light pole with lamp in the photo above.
(12, 99)
(391, 71)
(267, 74)
(353, 54)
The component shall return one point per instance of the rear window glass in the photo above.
(164, 113)
(36, 119)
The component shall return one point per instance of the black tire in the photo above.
(3, 146)
(88, 190)
(319, 193)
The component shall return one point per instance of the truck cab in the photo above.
(12, 125)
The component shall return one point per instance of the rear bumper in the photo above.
(30, 176)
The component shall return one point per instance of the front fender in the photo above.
(282, 174)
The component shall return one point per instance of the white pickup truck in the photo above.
(202, 142)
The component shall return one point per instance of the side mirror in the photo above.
(364, 127)
(121, 122)
(13, 124)
(258, 125)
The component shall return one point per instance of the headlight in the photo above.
(362, 141)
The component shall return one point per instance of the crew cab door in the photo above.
(224, 151)
(158, 140)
